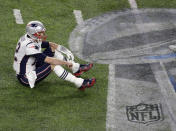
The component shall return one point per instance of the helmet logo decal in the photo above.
(33, 25)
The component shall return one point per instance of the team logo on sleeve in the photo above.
(144, 113)
(35, 47)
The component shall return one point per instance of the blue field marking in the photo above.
(166, 56)
(172, 79)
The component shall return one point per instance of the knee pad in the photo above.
(59, 55)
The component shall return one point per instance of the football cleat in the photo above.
(87, 84)
(82, 69)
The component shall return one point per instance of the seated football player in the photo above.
(32, 65)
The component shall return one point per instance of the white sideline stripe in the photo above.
(167, 92)
(18, 17)
(78, 16)
(133, 4)
(111, 97)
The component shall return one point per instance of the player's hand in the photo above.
(69, 65)
(66, 51)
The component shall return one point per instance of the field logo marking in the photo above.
(145, 113)
(18, 17)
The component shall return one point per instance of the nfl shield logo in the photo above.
(144, 113)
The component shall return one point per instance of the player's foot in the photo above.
(82, 69)
(172, 47)
(87, 83)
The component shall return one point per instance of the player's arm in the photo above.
(31, 50)
(54, 61)
(53, 45)
(50, 60)
(62, 49)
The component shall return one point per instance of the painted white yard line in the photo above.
(78, 16)
(111, 98)
(133, 4)
(18, 17)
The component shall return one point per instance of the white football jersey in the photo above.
(23, 62)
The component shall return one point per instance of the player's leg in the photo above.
(77, 68)
(35, 76)
(43, 71)
(65, 75)
(58, 55)
(23, 80)
(79, 82)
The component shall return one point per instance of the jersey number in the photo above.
(18, 47)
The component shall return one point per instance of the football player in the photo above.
(33, 65)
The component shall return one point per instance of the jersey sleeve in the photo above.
(32, 49)
(45, 44)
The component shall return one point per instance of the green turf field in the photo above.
(54, 105)
(156, 3)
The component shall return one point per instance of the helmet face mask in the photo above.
(36, 30)
(40, 36)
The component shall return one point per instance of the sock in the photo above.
(75, 67)
(65, 75)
